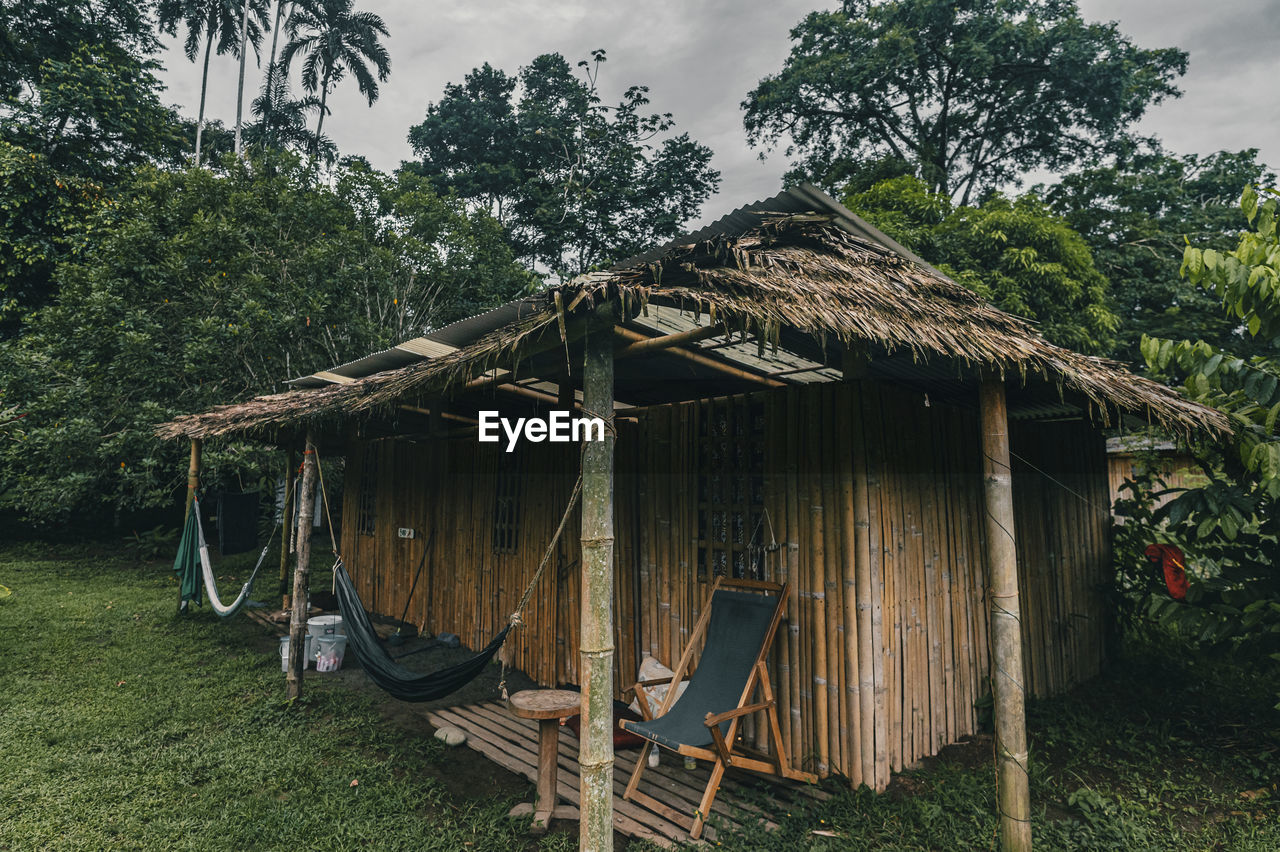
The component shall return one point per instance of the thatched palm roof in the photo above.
(807, 271)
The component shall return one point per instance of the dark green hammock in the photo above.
(397, 680)
(403, 683)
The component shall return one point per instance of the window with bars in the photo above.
(731, 489)
(506, 508)
(367, 506)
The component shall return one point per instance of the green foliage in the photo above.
(43, 215)
(198, 289)
(79, 110)
(281, 121)
(96, 114)
(1230, 527)
(156, 543)
(1137, 215)
(33, 32)
(577, 184)
(972, 94)
(1014, 252)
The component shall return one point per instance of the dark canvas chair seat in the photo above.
(739, 624)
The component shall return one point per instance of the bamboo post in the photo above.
(193, 475)
(595, 758)
(1007, 675)
(286, 527)
(301, 572)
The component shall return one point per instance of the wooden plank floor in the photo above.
(512, 743)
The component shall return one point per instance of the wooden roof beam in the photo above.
(666, 341)
(702, 360)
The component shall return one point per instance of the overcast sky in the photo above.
(700, 58)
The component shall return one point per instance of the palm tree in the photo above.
(282, 121)
(335, 39)
(267, 99)
(210, 21)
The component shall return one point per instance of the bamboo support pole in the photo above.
(874, 445)
(193, 475)
(286, 527)
(862, 576)
(832, 595)
(301, 573)
(596, 648)
(1007, 676)
(850, 534)
(800, 750)
(817, 582)
(776, 497)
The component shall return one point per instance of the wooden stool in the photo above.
(548, 706)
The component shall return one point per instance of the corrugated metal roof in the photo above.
(805, 198)
(431, 345)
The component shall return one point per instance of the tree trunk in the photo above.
(324, 97)
(270, 103)
(275, 36)
(302, 571)
(1007, 677)
(595, 757)
(244, 54)
(204, 89)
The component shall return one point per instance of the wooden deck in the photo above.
(512, 743)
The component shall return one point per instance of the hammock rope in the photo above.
(206, 568)
(383, 670)
(195, 548)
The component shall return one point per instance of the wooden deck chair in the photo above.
(738, 624)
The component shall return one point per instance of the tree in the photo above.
(79, 110)
(1138, 214)
(1014, 252)
(200, 288)
(212, 20)
(273, 81)
(335, 40)
(78, 86)
(43, 214)
(973, 94)
(1231, 525)
(282, 120)
(453, 264)
(577, 184)
(97, 114)
(35, 31)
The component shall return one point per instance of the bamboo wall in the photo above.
(875, 502)
(1178, 471)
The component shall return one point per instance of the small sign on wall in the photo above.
(406, 532)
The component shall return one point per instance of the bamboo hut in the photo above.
(795, 397)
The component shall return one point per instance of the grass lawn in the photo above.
(122, 726)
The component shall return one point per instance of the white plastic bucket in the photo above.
(326, 625)
(329, 652)
(307, 652)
